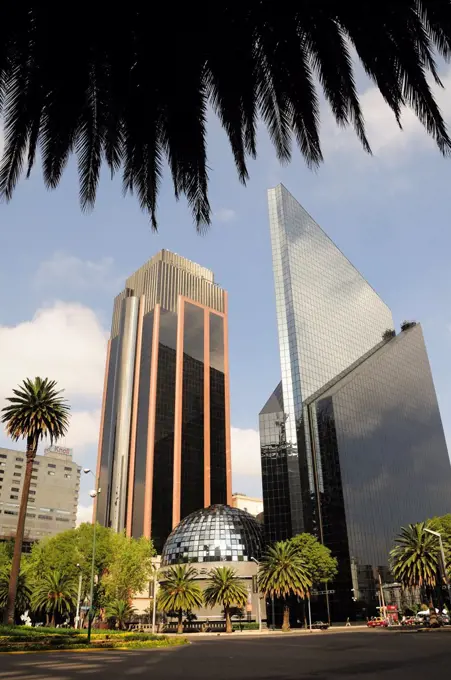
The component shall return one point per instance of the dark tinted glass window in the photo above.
(217, 411)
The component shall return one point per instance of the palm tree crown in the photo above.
(179, 591)
(415, 558)
(121, 611)
(283, 572)
(37, 410)
(23, 593)
(225, 588)
(54, 593)
(110, 86)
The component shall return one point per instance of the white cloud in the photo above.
(84, 514)
(224, 215)
(65, 342)
(71, 271)
(383, 133)
(245, 452)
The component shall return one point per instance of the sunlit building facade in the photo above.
(164, 448)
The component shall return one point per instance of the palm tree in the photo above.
(227, 589)
(121, 611)
(283, 573)
(55, 593)
(23, 592)
(98, 87)
(178, 591)
(414, 561)
(36, 411)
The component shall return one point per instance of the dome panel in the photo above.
(219, 533)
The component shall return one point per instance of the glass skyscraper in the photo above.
(330, 324)
(164, 448)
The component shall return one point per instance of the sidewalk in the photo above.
(274, 633)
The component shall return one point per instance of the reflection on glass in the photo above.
(164, 430)
(192, 479)
(217, 411)
(215, 534)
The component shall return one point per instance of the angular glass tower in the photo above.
(327, 317)
(164, 448)
(352, 443)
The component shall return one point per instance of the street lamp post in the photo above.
(258, 597)
(77, 617)
(93, 494)
(438, 535)
(154, 603)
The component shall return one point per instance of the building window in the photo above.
(34, 476)
(50, 472)
(31, 500)
(62, 519)
(33, 484)
(32, 493)
(19, 460)
(69, 469)
(18, 467)
(10, 512)
(17, 474)
(67, 476)
(14, 498)
(51, 465)
(63, 512)
(2, 464)
(45, 517)
(35, 462)
(3, 455)
(31, 515)
(14, 489)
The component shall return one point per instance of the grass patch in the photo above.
(22, 639)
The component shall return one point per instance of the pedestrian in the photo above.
(348, 623)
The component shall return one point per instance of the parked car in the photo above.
(377, 623)
(320, 625)
(409, 621)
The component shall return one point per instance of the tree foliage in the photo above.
(179, 591)
(23, 593)
(122, 565)
(112, 87)
(37, 410)
(227, 589)
(443, 526)
(316, 557)
(54, 593)
(415, 558)
(120, 611)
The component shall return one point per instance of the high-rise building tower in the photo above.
(352, 443)
(164, 448)
(327, 317)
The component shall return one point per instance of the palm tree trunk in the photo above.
(229, 628)
(17, 556)
(286, 617)
(52, 622)
(180, 622)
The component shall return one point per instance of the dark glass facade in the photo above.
(192, 473)
(378, 462)
(218, 533)
(163, 466)
(217, 411)
(381, 461)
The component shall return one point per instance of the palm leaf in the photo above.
(115, 88)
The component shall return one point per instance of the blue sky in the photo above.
(60, 268)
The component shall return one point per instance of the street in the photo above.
(370, 655)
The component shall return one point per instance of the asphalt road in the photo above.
(372, 656)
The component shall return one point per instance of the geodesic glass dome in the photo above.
(219, 533)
